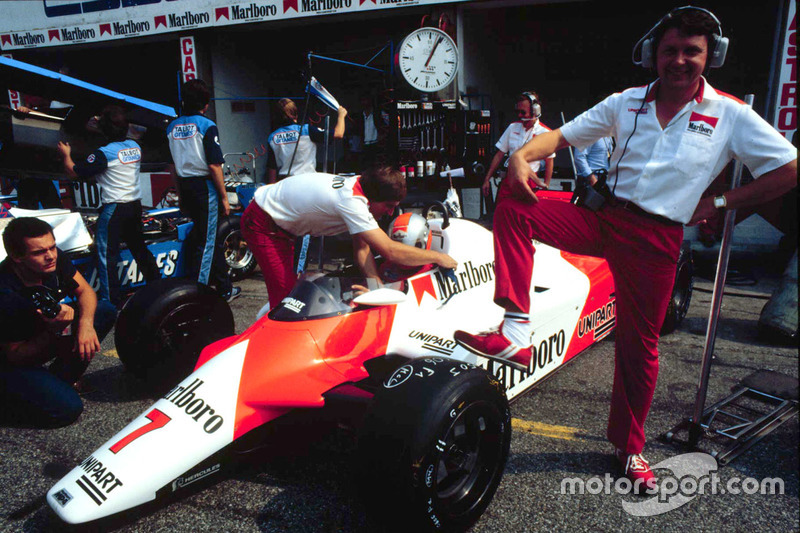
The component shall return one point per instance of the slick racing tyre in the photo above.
(163, 327)
(239, 260)
(681, 291)
(433, 446)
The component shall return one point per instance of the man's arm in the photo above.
(519, 171)
(86, 341)
(219, 183)
(548, 171)
(402, 254)
(37, 350)
(33, 352)
(174, 178)
(338, 131)
(66, 156)
(493, 166)
(582, 162)
(364, 258)
(769, 186)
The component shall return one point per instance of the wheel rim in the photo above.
(683, 284)
(237, 254)
(471, 456)
(182, 334)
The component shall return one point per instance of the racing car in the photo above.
(432, 419)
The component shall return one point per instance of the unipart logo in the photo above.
(184, 131)
(434, 343)
(600, 321)
(129, 155)
(99, 481)
(293, 304)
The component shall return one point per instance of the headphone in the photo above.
(719, 44)
(536, 109)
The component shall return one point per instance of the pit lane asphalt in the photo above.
(559, 433)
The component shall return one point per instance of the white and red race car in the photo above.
(434, 426)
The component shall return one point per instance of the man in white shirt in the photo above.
(320, 204)
(518, 134)
(674, 137)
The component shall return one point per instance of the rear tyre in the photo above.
(163, 327)
(433, 446)
(239, 260)
(681, 291)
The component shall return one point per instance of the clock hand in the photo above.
(434, 50)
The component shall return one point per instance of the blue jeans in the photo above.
(39, 397)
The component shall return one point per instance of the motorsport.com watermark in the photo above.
(693, 474)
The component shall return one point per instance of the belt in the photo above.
(633, 208)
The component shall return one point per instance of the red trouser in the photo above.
(273, 249)
(642, 254)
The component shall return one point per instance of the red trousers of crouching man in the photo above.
(273, 249)
(642, 254)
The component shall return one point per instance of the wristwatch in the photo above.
(720, 202)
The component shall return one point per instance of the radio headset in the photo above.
(645, 45)
(719, 44)
(536, 108)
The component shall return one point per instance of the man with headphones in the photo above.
(516, 135)
(675, 136)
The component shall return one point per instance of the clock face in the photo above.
(428, 59)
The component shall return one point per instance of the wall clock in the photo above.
(428, 59)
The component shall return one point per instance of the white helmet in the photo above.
(411, 229)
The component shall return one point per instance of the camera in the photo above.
(593, 197)
(44, 300)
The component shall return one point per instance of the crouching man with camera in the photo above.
(36, 328)
(674, 136)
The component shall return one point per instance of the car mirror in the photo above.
(382, 296)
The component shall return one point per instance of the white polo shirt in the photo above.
(516, 136)
(317, 204)
(665, 171)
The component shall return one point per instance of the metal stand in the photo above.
(741, 417)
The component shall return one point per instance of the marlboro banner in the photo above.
(37, 24)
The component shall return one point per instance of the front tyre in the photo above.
(162, 329)
(434, 445)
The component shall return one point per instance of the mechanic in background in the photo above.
(593, 160)
(292, 147)
(115, 167)
(325, 204)
(674, 137)
(516, 135)
(31, 394)
(197, 165)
